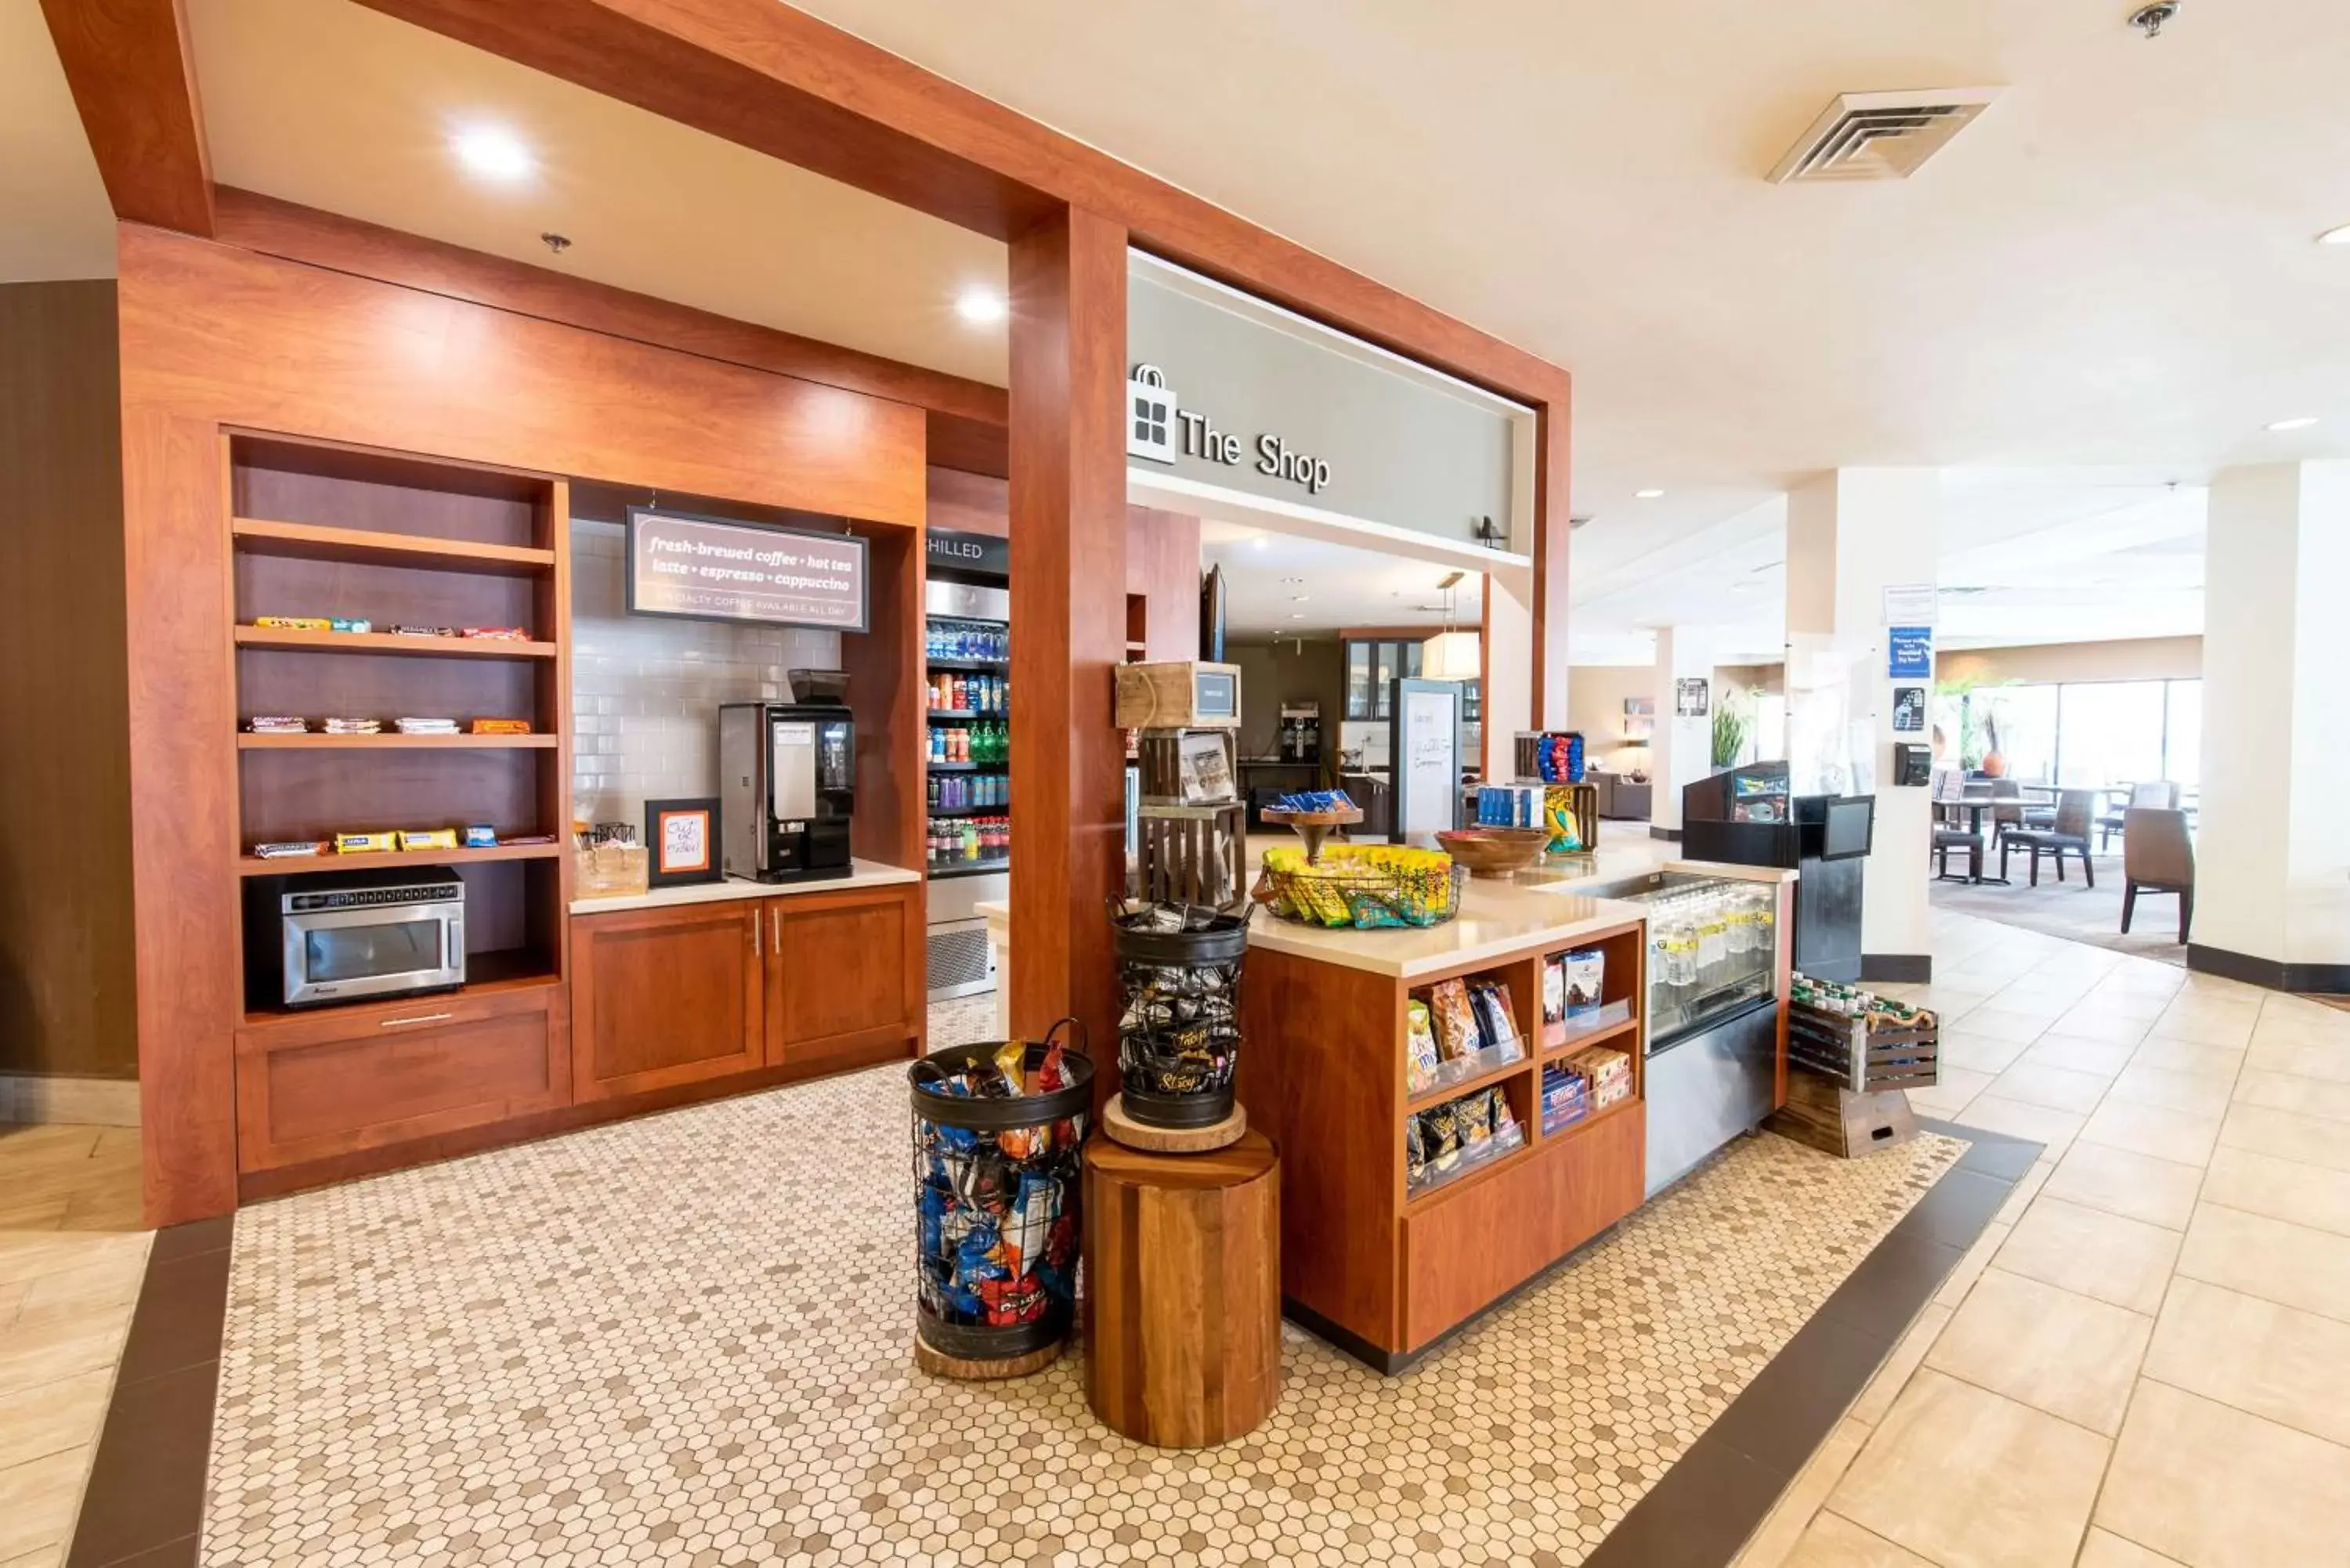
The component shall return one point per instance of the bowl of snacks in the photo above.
(1495, 851)
(1367, 885)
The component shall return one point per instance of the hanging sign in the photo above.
(1909, 652)
(710, 569)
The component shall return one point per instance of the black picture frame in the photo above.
(864, 570)
(659, 815)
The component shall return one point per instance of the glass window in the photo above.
(2112, 733)
(2182, 745)
(1383, 669)
(1358, 680)
(2020, 724)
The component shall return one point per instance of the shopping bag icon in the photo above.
(1150, 415)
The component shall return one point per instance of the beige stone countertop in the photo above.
(862, 874)
(1497, 916)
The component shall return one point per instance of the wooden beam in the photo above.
(759, 73)
(967, 419)
(1553, 527)
(1068, 571)
(134, 81)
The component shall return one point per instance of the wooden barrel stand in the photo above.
(1184, 1291)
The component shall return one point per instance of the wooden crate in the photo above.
(1193, 854)
(1166, 696)
(1835, 1119)
(1161, 753)
(1846, 1050)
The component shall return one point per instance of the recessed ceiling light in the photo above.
(980, 306)
(494, 153)
(1297, 598)
(1260, 543)
(1645, 495)
(2335, 236)
(2298, 422)
(1298, 614)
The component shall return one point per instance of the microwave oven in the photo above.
(346, 936)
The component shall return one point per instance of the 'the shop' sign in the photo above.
(1158, 426)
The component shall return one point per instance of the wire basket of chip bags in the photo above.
(1367, 885)
(1000, 1131)
(1179, 1024)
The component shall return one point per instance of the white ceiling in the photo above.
(1285, 586)
(55, 222)
(647, 204)
(2104, 284)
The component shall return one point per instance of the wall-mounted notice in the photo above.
(1909, 652)
(708, 568)
(1912, 604)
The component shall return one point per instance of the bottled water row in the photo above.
(1703, 938)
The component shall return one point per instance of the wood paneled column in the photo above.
(1068, 618)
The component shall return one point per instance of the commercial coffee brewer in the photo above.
(787, 775)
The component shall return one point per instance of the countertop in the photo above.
(1496, 917)
(862, 874)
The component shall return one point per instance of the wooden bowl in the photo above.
(1495, 851)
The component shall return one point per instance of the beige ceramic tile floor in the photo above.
(2147, 1360)
(71, 1259)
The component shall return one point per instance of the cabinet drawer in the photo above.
(356, 1079)
(1468, 1248)
(845, 973)
(662, 997)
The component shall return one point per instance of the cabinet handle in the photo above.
(420, 1018)
(778, 917)
(757, 932)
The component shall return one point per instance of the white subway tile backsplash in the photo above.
(645, 692)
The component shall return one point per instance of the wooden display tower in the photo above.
(1194, 839)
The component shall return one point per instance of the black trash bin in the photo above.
(1179, 1027)
(998, 1175)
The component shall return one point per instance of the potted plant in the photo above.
(1729, 725)
(1995, 761)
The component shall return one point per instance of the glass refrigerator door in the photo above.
(1711, 947)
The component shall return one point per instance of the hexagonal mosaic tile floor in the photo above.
(683, 1340)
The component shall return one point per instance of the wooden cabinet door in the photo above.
(665, 996)
(345, 1079)
(844, 974)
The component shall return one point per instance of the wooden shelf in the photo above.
(1559, 1041)
(255, 866)
(392, 742)
(494, 973)
(1484, 1080)
(1462, 1182)
(385, 642)
(1585, 1123)
(941, 661)
(367, 547)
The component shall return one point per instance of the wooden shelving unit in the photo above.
(320, 529)
(1385, 1269)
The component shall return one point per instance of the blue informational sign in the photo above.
(1909, 652)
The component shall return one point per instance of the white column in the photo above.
(2273, 850)
(1850, 535)
(1682, 751)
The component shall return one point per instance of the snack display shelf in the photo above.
(1482, 1069)
(1494, 1157)
(392, 643)
(1572, 1034)
(1589, 1119)
(287, 865)
(391, 740)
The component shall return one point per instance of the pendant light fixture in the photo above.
(1451, 654)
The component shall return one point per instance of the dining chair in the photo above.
(2157, 857)
(2005, 819)
(2156, 795)
(2067, 834)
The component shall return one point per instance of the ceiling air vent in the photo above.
(1879, 135)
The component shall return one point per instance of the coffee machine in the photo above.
(787, 774)
(1300, 732)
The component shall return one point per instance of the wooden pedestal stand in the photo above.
(1150, 1140)
(1314, 827)
(1182, 1291)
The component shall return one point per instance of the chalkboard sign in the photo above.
(692, 567)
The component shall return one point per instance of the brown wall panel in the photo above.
(65, 1004)
(214, 338)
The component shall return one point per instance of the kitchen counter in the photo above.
(862, 874)
(1497, 917)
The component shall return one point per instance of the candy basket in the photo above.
(997, 1178)
(1343, 889)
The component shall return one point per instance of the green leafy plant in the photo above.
(1733, 716)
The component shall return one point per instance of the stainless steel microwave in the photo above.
(344, 936)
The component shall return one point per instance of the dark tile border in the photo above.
(144, 1506)
(1898, 968)
(1711, 1503)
